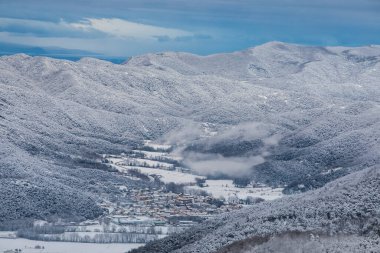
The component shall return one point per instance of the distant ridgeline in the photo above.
(54, 52)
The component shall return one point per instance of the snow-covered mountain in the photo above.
(314, 112)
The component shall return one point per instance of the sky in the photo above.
(122, 28)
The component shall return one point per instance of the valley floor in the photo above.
(30, 246)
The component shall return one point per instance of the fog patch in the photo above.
(211, 164)
(215, 164)
(237, 166)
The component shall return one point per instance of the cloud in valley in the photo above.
(217, 164)
(214, 164)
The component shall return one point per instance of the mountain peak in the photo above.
(275, 45)
(20, 56)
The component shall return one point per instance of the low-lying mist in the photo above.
(216, 151)
(218, 165)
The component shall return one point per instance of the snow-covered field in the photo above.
(150, 163)
(29, 246)
(7, 234)
(166, 176)
(226, 189)
(157, 155)
(150, 154)
(217, 188)
(140, 162)
(156, 146)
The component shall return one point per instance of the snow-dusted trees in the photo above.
(348, 206)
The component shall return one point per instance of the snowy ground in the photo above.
(157, 155)
(166, 176)
(156, 146)
(161, 230)
(141, 162)
(217, 188)
(28, 246)
(150, 163)
(226, 189)
(150, 154)
(7, 234)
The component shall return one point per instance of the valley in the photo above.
(176, 200)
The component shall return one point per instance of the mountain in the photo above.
(55, 52)
(311, 114)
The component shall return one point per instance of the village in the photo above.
(183, 197)
(159, 207)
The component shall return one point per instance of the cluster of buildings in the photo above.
(159, 207)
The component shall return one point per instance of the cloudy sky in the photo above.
(122, 28)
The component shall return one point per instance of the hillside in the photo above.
(285, 114)
(343, 209)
